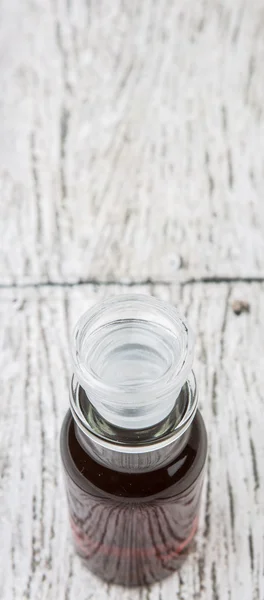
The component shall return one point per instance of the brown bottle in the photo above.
(133, 445)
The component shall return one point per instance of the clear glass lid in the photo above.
(132, 354)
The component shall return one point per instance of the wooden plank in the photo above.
(131, 140)
(37, 560)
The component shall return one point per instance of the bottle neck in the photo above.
(134, 450)
(137, 462)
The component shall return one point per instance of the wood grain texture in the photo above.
(131, 140)
(37, 559)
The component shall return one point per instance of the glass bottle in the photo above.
(133, 443)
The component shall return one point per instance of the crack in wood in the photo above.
(214, 582)
(231, 509)
(214, 395)
(254, 464)
(208, 500)
(251, 550)
(224, 323)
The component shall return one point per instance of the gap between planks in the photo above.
(144, 282)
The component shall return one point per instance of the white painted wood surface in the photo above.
(131, 139)
(38, 560)
(131, 151)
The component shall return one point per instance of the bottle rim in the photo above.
(167, 343)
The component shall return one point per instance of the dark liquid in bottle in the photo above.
(133, 528)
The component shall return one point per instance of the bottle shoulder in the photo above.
(95, 479)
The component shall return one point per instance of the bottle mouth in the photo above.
(131, 355)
